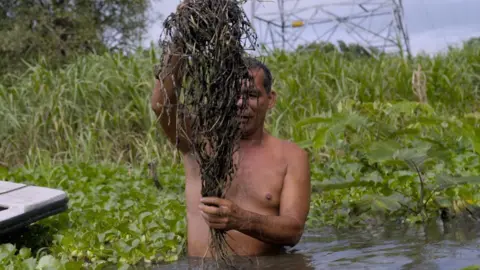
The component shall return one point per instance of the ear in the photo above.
(272, 99)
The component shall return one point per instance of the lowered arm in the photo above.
(286, 228)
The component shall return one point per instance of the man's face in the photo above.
(257, 103)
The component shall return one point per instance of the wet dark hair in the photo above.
(253, 63)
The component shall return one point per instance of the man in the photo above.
(266, 206)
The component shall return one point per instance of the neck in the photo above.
(255, 138)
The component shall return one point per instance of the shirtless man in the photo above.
(266, 206)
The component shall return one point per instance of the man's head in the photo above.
(255, 64)
(260, 97)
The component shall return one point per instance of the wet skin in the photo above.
(267, 204)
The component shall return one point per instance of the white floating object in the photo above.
(21, 205)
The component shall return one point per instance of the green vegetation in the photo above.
(382, 148)
(57, 31)
(116, 217)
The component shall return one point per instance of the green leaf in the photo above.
(381, 203)
(305, 144)
(313, 120)
(410, 107)
(24, 253)
(383, 150)
(476, 144)
(353, 121)
(443, 201)
(124, 266)
(411, 156)
(6, 251)
(440, 153)
(320, 137)
(445, 181)
(404, 131)
(48, 262)
(3, 172)
(73, 265)
(29, 264)
(342, 184)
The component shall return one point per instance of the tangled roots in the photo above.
(212, 35)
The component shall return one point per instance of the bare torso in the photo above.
(256, 187)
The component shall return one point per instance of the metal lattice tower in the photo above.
(284, 24)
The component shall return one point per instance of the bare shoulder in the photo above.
(294, 152)
(291, 152)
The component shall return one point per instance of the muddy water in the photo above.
(435, 246)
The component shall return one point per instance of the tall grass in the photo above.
(95, 109)
(98, 109)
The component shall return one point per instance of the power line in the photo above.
(370, 23)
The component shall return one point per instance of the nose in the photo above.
(240, 101)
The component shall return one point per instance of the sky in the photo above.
(432, 25)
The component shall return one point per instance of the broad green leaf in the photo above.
(373, 177)
(24, 253)
(29, 264)
(382, 203)
(445, 181)
(383, 150)
(416, 156)
(48, 262)
(73, 265)
(354, 121)
(124, 266)
(6, 251)
(439, 152)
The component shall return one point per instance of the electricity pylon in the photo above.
(286, 24)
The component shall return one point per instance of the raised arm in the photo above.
(164, 100)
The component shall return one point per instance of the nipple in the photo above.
(268, 196)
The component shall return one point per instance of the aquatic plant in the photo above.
(115, 218)
(404, 152)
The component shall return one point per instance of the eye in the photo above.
(253, 94)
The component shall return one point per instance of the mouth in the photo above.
(243, 118)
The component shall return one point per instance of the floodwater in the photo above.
(434, 246)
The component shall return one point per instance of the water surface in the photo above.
(435, 246)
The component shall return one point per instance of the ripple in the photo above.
(415, 247)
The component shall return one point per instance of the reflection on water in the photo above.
(287, 261)
(435, 246)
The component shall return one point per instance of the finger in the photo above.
(218, 226)
(212, 210)
(213, 218)
(212, 201)
(215, 223)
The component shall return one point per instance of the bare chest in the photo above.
(258, 182)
